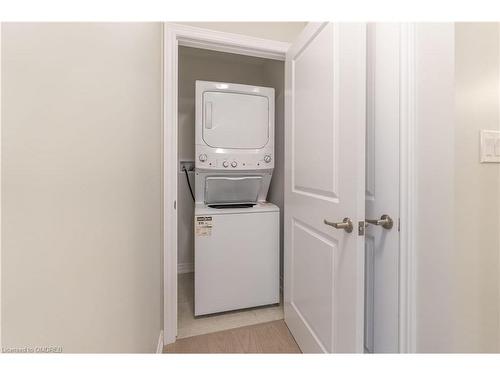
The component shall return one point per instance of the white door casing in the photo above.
(382, 188)
(176, 35)
(325, 89)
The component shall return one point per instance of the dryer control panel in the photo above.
(234, 161)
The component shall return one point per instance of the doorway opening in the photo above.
(196, 64)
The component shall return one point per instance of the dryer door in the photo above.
(237, 121)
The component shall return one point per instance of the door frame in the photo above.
(0, 184)
(176, 35)
(407, 189)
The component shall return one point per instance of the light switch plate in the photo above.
(490, 146)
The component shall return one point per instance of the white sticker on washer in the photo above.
(203, 226)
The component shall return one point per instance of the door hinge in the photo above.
(361, 228)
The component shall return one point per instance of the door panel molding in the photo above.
(332, 248)
(331, 194)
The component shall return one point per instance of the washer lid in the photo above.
(227, 190)
(234, 120)
(261, 207)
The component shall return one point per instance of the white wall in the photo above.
(282, 31)
(217, 66)
(457, 241)
(81, 186)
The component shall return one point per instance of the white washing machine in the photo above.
(236, 230)
(236, 257)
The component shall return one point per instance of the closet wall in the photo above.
(274, 76)
(198, 64)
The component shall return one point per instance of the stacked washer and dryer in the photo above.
(236, 230)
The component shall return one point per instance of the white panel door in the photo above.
(325, 179)
(382, 188)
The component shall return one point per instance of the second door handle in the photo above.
(385, 221)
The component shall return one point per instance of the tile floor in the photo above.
(188, 325)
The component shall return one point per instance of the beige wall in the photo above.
(207, 65)
(281, 31)
(81, 186)
(477, 186)
(457, 198)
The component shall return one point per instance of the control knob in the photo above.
(203, 158)
(267, 158)
(234, 164)
(225, 164)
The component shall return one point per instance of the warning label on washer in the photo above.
(203, 226)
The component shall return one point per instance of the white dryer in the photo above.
(234, 127)
(236, 230)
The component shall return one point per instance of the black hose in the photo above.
(189, 184)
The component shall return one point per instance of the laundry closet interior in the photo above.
(245, 175)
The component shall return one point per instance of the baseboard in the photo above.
(159, 346)
(185, 267)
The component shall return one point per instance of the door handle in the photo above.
(208, 115)
(345, 224)
(385, 221)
